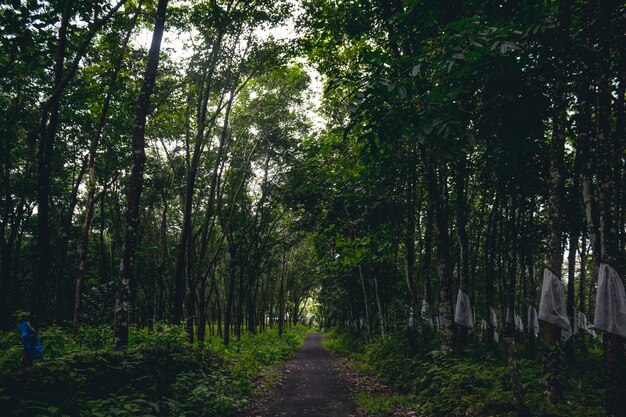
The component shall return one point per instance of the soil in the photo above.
(313, 386)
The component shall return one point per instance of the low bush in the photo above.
(477, 383)
(160, 374)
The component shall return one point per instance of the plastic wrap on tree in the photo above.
(519, 325)
(584, 325)
(463, 311)
(610, 314)
(552, 303)
(533, 320)
(493, 318)
(509, 317)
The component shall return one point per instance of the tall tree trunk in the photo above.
(554, 250)
(281, 296)
(192, 171)
(230, 288)
(437, 193)
(48, 124)
(91, 169)
(461, 232)
(574, 234)
(614, 355)
(409, 241)
(47, 131)
(120, 328)
(490, 270)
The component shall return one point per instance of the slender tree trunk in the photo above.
(574, 233)
(614, 355)
(281, 297)
(409, 241)
(379, 304)
(554, 250)
(47, 131)
(65, 228)
(91, 169)
(122, 308)
(490, 269)
(428, 254)
(48, 124)
(437, 193)
(461, 232)
(231, 289)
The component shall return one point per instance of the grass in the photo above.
(433, 382)
(160, 374)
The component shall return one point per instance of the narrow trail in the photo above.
(313, 387)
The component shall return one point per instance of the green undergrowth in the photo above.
(160, 374)
(434, 382)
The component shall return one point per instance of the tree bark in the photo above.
(461, 232)
(437, 193)
(120, 328)
(614, 355)
(554, 250)
(91, 169)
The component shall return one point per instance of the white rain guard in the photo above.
(610, 315)
(463, 312)
(496, 337)
(411, 318)
(584, 325)
(493, 319)
(566, 334)
(533, 320)
(552, 303)
(483, 325)
(519, 325)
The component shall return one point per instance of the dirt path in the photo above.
(313, 387)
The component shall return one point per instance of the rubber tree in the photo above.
(123, 294)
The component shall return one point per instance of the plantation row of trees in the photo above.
(470, 145)
(147, 185)
(468, 148)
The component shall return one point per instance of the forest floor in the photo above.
(313, 386)
(317, 384)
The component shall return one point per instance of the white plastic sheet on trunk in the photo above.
(552, 303)
(463, 311)
(493, 319)
(610, 315)
(533, 320)
(566, 334)
(584, 325)
(519, 325)
(483, 325)
(496, 337)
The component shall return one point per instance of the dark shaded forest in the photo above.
(439, 186)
